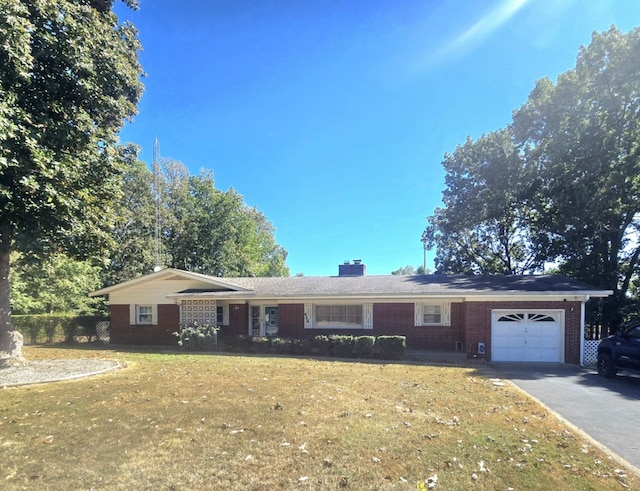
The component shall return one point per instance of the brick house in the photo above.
(503, 318)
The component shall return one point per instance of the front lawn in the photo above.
(185, 421)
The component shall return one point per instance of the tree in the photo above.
(70, 78)
(484, 226)
(561, 184)
(132, 253)
(410, 270)
(214, 232)
(581, 136)
(59, 284)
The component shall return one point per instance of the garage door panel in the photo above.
(508, 354)
(548, 355)
(527, 336)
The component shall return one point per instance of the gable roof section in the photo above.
(168, 274)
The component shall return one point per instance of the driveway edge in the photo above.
(617, 458)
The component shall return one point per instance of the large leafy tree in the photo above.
(202, 229)
(560, 184)
(57, 284)
(483, 227)
(581, 135)
(214, 232)
(132, 252)
(70, 77)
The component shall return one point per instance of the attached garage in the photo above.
(535, 336)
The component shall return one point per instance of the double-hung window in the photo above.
(143, 314)
(432, 313)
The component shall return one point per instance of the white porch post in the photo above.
(582, 322)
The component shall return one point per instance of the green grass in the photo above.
(179, 421)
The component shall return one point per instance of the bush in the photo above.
(321, 346)
(391, 347)
(197, 337)
(282, 346)
(342, 346)
(301, 346)
(363, 346)
(260, 345)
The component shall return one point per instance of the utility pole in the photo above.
(424, 256)
(157, 236)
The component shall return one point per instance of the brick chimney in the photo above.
(355, 269)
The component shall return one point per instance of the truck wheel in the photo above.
(606, 368)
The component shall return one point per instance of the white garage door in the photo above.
(527, 336)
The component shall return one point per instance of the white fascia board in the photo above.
(538, 296)
(248, 295)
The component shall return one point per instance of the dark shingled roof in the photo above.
(390, 285)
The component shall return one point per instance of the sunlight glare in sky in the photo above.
(481, 30)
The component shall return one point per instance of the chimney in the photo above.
(355, 269)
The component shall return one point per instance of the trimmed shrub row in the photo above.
(338, 346)
(54, 327)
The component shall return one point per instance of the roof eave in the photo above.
(507, 295)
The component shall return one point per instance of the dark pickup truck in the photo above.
(620, 352)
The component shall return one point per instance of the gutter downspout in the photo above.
(582, 321)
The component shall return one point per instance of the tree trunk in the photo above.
(5, 302)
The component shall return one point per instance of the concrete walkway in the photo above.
(608, 410)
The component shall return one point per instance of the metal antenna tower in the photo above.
(157, 239)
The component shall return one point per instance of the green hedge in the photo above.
(391, 347)
(339, 346)
(47, 328)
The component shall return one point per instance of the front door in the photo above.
(271, 321)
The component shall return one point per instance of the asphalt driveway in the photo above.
(608, 410)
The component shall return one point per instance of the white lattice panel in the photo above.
(591, 352)
(200, 311)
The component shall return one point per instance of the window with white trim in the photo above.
(143, 314)
(339, 316)
(432, 313)
(349, 316)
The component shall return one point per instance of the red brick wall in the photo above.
(291, 321)
(388, 319)
(161, 334)
(399, 319)
(470, 324)
(477, 317)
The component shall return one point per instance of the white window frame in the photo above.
(135, 313)
(445, 313)
(224, 308)
(310, 320)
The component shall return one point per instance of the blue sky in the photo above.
(332, 116)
